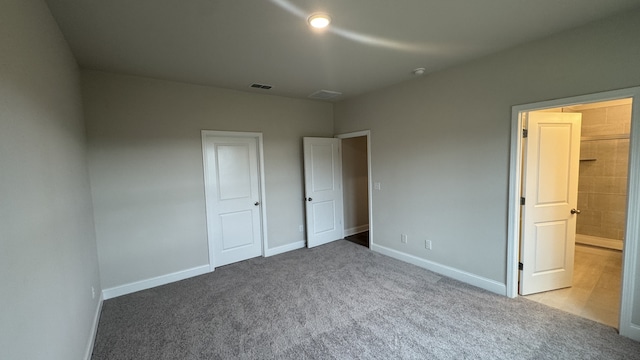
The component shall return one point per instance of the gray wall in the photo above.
(355, 184)
(440, 144)
(48, 260)
(146, 167)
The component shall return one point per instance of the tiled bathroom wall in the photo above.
(602, 187)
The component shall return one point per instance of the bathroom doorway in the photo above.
(601, 202)
(629, 325)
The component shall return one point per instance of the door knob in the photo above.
(256, 203)
(309, 199)
(575, 211)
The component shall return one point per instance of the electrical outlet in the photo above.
(301, 228)
(403, 238)
(93, 292)
(427, 244)
(377, 186)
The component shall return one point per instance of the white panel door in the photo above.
(323, 188)
(550, 189)
(232, 198)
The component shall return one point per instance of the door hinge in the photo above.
(522, 201)
(525, 133)
(520, 266)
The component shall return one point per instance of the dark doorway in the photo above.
(360, 238)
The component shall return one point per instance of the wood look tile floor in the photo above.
(595, 293)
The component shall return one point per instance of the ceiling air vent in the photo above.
(325, 94)
(261, 86)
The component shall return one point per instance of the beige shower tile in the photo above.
(592, 168)
(607, 149)
(589, 230)
(615, 168)
(618, 114)
(585, 184)
(623, 147)
(609, 185)
(590, 217)
(610, 233)
(616, 219)
(587, 149)
(602, 129)
(620, 185)
(608, 202)
(593, 117)
(583, 200)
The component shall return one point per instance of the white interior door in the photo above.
(232, 187)
(323, 188)
(550, 189)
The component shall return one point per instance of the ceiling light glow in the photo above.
(418, 71)
(319, 21)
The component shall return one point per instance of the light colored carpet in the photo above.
(342, 301)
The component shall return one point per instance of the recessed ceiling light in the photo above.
(418, 71)
(319, 20)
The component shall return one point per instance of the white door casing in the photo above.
(234, 200)
(550, 189)
(323, 188)
(629, 318)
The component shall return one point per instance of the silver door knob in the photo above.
(575, 211)
(256, 203)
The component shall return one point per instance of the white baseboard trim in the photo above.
(630, 330)
(356, 230)
(153, 282)
(284, 248)
(600, 242)
(94, 329)
(469, 278)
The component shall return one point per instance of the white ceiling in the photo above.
(371, 43)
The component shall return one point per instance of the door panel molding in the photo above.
(550, 186)
(323, 190)
(205, 134)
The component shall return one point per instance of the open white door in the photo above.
(550, 189)
(323, 188)
(232, 189)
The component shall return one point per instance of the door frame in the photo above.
(632, 232)
(367, 134)
(261, 186)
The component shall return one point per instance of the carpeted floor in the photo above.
(342, 301)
